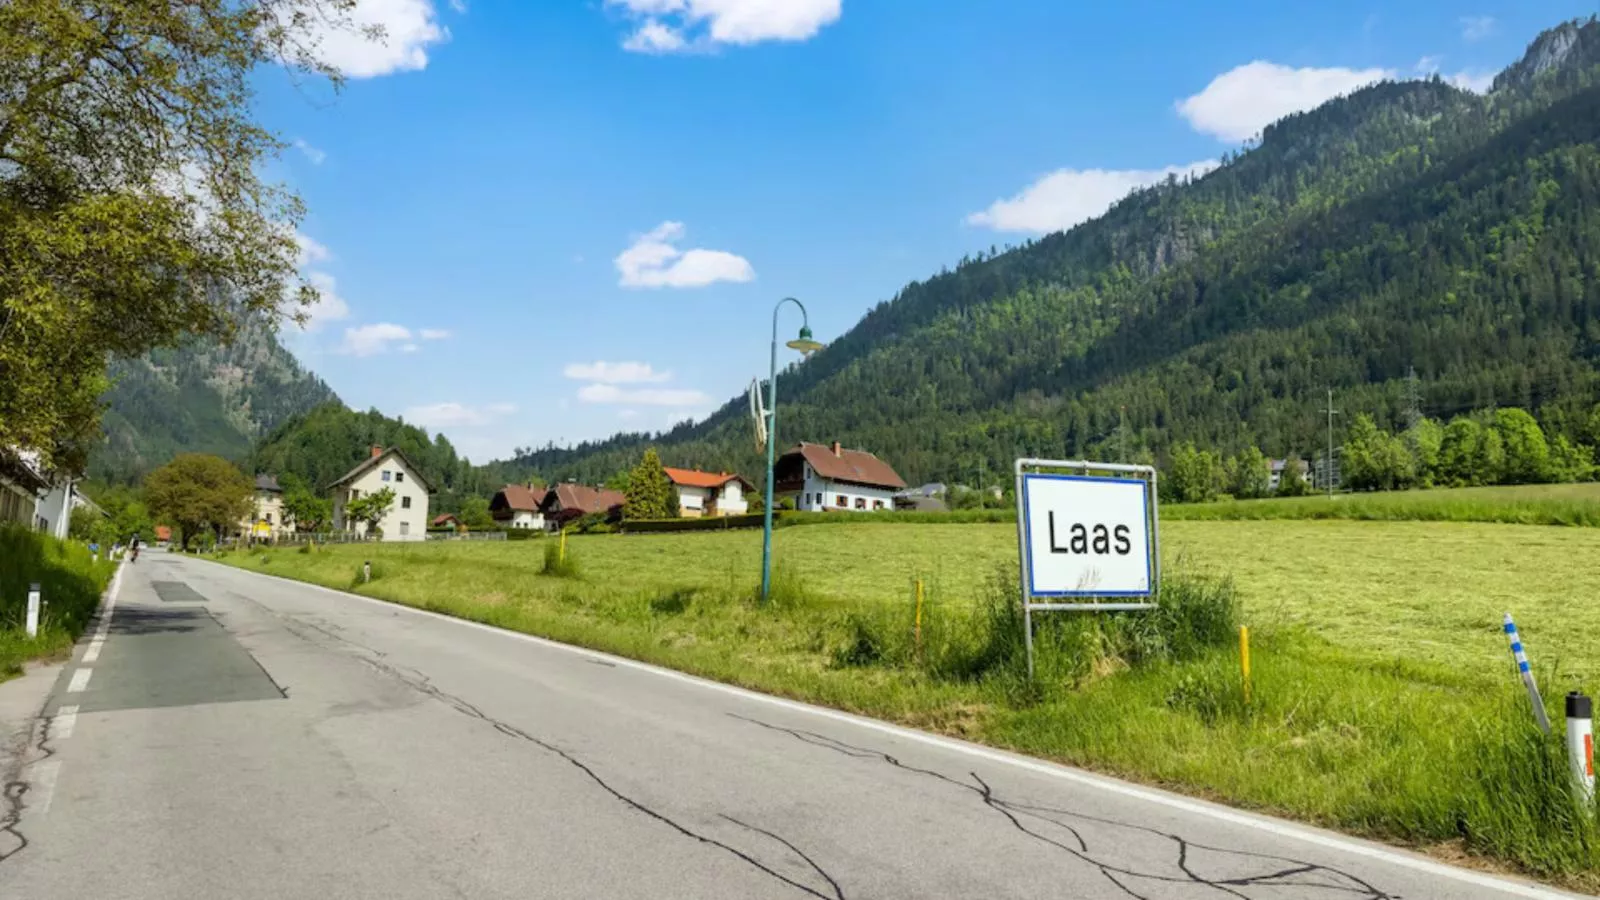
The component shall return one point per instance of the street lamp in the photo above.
(807, 345)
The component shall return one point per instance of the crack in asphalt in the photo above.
(14, 792)
(420, 682)
(1286, 868)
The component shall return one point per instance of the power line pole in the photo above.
(1327, 470)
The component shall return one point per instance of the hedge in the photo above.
(716, 523)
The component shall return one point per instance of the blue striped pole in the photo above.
(1527, 675)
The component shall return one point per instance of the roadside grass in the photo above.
(1525, 504)
(1383, 701)
(71, 583)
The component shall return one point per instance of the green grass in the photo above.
(1528, 504)
(1383, 698)
(70, 584)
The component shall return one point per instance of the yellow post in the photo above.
(1244, 659)
(918, 631)
(563, 546)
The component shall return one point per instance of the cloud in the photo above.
(433, 334)
(311, 251)
(1476, 82)
(457, 415)
(371, 340)
(1428, 65)
(330, 307)
(675, 26)
(409, 28)
(1476, 28)
(611, 394)
(1239, 103)
(312, 153)
(653, 262)
(627, 414)
(616, 373)
(1066, 197)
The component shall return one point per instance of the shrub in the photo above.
(718, 523)
(558, 565)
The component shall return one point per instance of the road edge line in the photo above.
(1280, 827)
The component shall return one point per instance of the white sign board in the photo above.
(1087, 536)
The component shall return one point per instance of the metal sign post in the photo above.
(1088, 538)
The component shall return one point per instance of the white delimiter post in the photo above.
(33, 610)
(1580, 744)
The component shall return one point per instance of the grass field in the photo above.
(71, 584)
(1526, 504)
(1383, 699)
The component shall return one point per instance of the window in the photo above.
(877, 504)
(861, 503)
(354, 493)
(405, 528)
(842, 503)
(269, 518)
(386, 474)
(399, 477)
(405, 502)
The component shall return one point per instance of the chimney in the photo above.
(376, 451)
(837, 450)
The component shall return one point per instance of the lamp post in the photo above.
(806, 345)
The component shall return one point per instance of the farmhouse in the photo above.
(833, 478)
(21, 484)
(266, 520)
(517, 506)
(407, 519)
(1276, 467)
(566, 502)
(445, 520)
(707, 495)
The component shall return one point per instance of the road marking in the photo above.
(1276, 827)
(66, 720)
(42, 787)
(93, 653)
(80, 680)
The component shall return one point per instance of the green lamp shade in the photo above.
(805, 343)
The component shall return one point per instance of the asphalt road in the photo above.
(227, 735)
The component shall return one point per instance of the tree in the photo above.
(198, 492)
(1292, 481)
(309, 512)
(1374, 460)
(475, 513)
(1192, 476)
(1423, 441)
(1570, 462)
(650, 492)
(1251, 477)
(1527, 454)
(369, 510)
(617, 481)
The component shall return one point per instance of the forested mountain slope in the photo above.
(204, 397)
(1409, 225)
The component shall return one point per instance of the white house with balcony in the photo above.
(707, 494)
(407, 518)
(834, 479)
(517, 506)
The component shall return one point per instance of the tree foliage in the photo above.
(475, 513)
(1192, 475)
(309, 512)
(197, 493)
(1249, 476)
(650, 492)
(369, 510)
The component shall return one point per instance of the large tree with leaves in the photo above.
(198, 492)
(369, 509)
(132, 209)
(650, 493)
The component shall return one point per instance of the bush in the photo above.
(718, 523)
(556, 565)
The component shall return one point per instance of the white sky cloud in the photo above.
(1239, 103)
(611, 394)
(410, 27)
(1476, 82)
(312, 153)
(371, 340)
(1066, 197)
(311, 250)
(672, 26)
(616, 372)
(433, 334)
(653, 262)
(457, 415)
(1476, 28)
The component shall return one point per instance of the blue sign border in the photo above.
(1149, 543)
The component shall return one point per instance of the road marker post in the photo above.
(34, 603)
(1244, 660)
(1527, 675)
(1580, 745)
(917, 628)
(563, 546)
(366, 571)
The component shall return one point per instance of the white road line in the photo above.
(1277, 827)
(80, 680)
(42, 787)
(93, 653)
(65, 722)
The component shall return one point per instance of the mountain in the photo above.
(206, 396)
(1410, 226)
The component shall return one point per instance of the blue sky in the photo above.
(550, 220)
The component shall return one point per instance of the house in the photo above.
(163, 536)
(564, 503)
(1275, 469)
(702, 494)
(445, 520)
(407, 519)
(833, 478)
(517, 506)
(53, 511)
(21, 484)
(266, 520)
